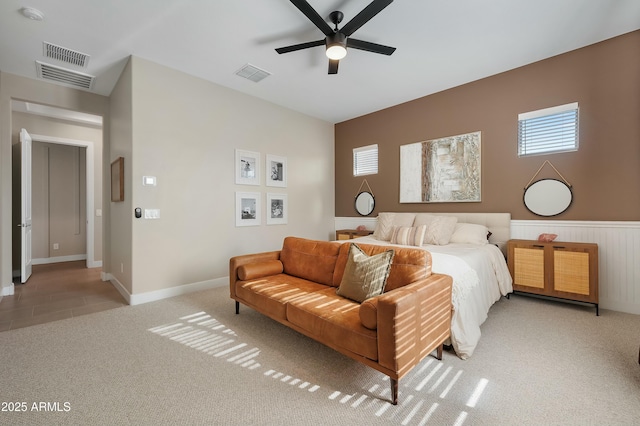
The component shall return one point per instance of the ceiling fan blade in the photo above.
(313, 16)
(333, 66)
(370, 47)
(300, 46)
(364, 16)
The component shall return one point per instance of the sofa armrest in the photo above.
(413, 321)
(236, 262)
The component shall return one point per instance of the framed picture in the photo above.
(441, 170)
(276, 171)
(276, 209)
(247, 167)
(117, 180)
(248, 209)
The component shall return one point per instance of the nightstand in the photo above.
(348, 234)
(558, 269)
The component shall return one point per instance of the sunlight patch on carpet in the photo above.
(418, 392)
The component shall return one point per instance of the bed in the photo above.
(470, 247)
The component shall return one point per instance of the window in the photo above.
(365, 160)
(548, 130)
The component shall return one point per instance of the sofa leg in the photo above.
(439, 353)
(394, 391)
(237, 307)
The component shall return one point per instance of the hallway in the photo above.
(57, 291)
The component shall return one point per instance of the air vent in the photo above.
(252, 73)
(64, 76)
(65, 55)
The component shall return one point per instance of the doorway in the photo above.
(55, 127)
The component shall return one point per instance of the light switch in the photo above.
(98, 212)
(152, 213)
(149, 180)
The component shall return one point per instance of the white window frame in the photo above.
(365, 160)
(549, 130)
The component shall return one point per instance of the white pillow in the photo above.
(439, 228)
(386, 222)
(469, 233)
(408, 235)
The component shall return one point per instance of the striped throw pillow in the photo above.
(408, 236)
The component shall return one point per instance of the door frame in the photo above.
(90, 179)
(26, 217)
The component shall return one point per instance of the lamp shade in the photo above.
(336, 46)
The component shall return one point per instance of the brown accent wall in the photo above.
(603, 78)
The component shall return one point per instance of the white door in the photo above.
(25, 221)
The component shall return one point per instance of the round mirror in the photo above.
(548, 197)
(365, 203)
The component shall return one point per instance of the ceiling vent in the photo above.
(64, 76)
(252, 73)
(63, 54)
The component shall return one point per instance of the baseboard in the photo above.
(8, 290)
(58, 259)
(152, 296)
(118, 285)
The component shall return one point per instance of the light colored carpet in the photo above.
(190, 360)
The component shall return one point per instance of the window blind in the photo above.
(548, 130)
(365, 160)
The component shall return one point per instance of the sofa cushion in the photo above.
(334, 321)
(259, 269)
(364, 276)
(269, 295)
(310, 259)
(409, 264)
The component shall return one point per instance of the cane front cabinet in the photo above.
(563, 270)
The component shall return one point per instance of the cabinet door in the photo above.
(528, 268)
(575, 272)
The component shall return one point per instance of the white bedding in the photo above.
(480, 277)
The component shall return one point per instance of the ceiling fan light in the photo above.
(336, 46)
(336, 52)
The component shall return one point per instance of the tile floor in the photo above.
(57, 291)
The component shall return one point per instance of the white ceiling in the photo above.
(440, 44)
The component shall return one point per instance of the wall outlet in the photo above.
(56, 246)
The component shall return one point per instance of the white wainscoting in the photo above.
(354, 222)
(618, 252)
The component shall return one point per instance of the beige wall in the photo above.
(184, 131)
(20, 88)
(603, 78)
(118, 259)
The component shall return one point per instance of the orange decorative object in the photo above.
(547, 238)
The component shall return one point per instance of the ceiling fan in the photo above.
(337, 40)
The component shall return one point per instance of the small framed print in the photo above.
(276, 209)
(247, 167)
(276, 171)
(248, 209)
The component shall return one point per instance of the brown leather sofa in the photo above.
(392, 332)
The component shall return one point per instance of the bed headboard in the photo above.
(499, 224)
